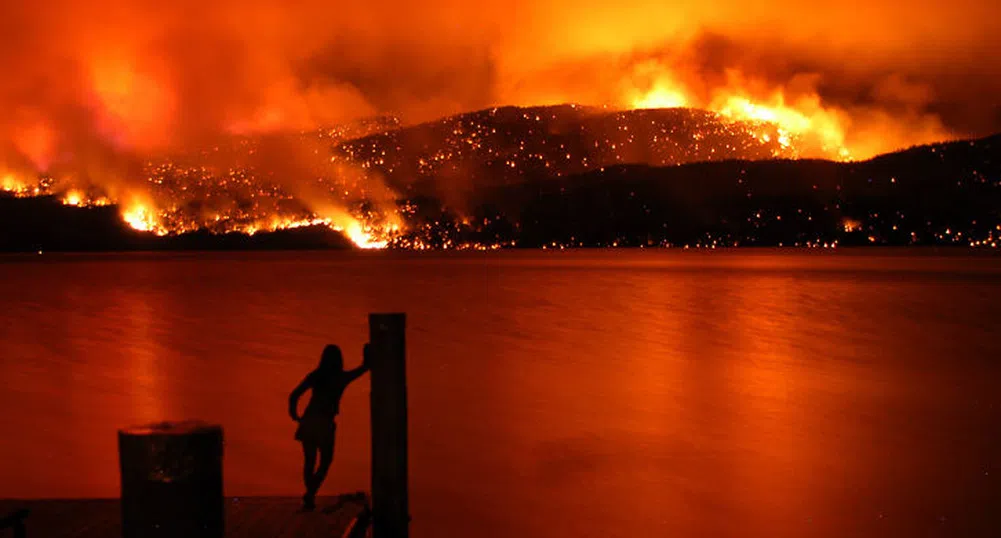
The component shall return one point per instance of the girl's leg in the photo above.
(309, 451)
(326, 458)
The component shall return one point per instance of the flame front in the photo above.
(360, 237)
(142, 215)
(810, 123)
(14, 185)
(663, 94)
(805, 127)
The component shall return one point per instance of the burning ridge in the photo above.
(358, 178)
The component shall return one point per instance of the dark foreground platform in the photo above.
(251, 517)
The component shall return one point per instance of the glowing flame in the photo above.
(9, 183)
(360, 237)
(652, 86)
(662, 95)
(743, 108)
(801, 125)
(141, 218)
(809, 120)
(851, 225)
(74, 198)
(371, 232)
(287, 223)
(77, 198)
(365, 235)
(17, 186)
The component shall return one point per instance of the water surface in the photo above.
(751, 393)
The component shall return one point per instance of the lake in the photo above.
(590, 393)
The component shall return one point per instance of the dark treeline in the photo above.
(944, 194)
(45, 224)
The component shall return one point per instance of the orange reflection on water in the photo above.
(768, 379)
(145, 369)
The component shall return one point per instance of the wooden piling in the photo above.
(390, 506)
(171, 480)
(15, 521)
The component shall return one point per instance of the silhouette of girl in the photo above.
(316, 425)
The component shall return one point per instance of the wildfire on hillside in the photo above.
(102, 101)
(343, 183)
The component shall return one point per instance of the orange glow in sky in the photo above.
(95, 91)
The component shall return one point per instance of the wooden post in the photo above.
(390, 506)
(171, 480)
(15, 521)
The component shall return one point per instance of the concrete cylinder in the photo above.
(171, 480)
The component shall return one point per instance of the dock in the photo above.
(246, 517)
(172, 483)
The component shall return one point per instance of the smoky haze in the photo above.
(92, 88)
